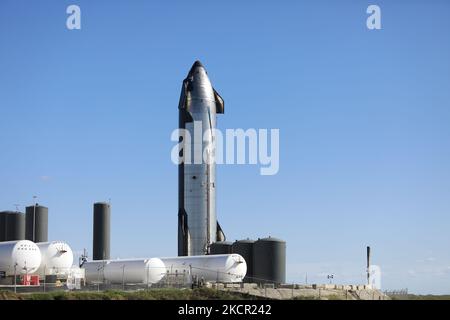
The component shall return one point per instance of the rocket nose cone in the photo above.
(197, 65)
(198, 83)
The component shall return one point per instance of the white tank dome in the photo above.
(156, 270)
(19, 257)
(130, 271)
(57, 257)
(210, 268)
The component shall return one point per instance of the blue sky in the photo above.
(86, 115)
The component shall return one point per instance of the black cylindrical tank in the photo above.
(245, 249)
(3, 216)
(220, 247)
(36, 223)
(15, 226)
(101, 241)
(269, 261)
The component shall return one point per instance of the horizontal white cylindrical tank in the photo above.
(133, 271)
(19, 257)
(57, 258)
(210, 268)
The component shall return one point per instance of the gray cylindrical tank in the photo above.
(220, 247)
(245, 249)
(36, 223)
(101, 241)
(15, 226)
(269, 261)
(3, 216)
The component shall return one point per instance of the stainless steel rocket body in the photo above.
(197, 222)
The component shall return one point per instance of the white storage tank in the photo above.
(19, 257)
(210, 268)
(94, 270)
(129, 271)
(57, 258)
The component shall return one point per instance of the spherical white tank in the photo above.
(57, 258)
(19, 257)
(210, 268)
(133, 271)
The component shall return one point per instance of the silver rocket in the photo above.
(197, 221)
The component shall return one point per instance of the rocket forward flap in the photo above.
(220, 235)
(220, 104)
(183, 98)
(185, 115)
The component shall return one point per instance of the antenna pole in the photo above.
(368, 265)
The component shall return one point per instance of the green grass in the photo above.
(305, 298)
(154, 294)
(7, 295)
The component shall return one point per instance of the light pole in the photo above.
(34, 218)
(148, 275)
(45, 275)
(123, 277)
(191, 275)
(330, 277)
(368, 265)
(15, 277)
(98, 277)
(26, 273)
